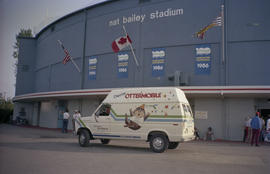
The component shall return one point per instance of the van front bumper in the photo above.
(187, 138)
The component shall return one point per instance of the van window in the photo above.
(184, 108)
(187, 110)
(104, 110)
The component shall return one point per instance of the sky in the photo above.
(33, 14)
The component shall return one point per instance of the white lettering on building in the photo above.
(203, 51)
(141, 17)
(158, 68)
(166, 13)
(203, 65)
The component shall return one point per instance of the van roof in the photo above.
(146, 95)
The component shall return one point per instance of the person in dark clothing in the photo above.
(256, 127)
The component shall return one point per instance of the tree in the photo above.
(22, 33)
(6, 110)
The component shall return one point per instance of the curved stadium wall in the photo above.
(168, 53)
(166, 25)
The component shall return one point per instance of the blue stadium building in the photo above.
(216, 51)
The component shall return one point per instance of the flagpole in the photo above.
(223, 34)
(223, 61)
(75, 65)
(70, 57)
(136, 61)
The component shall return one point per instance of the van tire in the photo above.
(158, 143)
(173, 145)
(105, 141)
(84, 138)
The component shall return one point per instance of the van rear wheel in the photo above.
(84, 138)
(158, 143)
(173, 145)
(105, 141)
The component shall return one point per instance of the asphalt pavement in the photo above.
(43, 151)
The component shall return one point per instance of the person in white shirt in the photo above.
(246, 129)
(268, 124)
(75, 118)
(267, 134)
(65, 121)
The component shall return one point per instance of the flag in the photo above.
(66, 58)
(217, 22)
(120, 43)
(200, 34)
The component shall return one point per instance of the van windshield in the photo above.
(187, 110)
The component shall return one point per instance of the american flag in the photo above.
(67, 56)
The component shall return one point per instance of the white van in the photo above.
(161, 116)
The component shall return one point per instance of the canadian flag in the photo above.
(120, 43)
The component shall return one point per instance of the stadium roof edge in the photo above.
(70, 14)
(188, 90)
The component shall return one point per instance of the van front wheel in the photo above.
(158, 143)
(84, 138)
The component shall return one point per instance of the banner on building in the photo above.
(158, 62)
(203, 59)
(201, 115)
(92, 68)
(122, 65)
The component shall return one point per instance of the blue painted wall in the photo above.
(25, 67)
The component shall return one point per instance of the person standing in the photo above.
(268, 123)
(256, 127)
(267, 134)
(75, 117)
(246, 129)
(65, 121)
(196, 133)
(261, 137)
(209, 134)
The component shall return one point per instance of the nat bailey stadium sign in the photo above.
(141, 17)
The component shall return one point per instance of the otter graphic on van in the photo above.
(137, 117)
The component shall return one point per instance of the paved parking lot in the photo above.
(38, 151)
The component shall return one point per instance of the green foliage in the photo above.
(22, 33)
(6, 110)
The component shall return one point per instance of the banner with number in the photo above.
(158, 62)
(92, 68)
(203, 59)
(122, 65)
